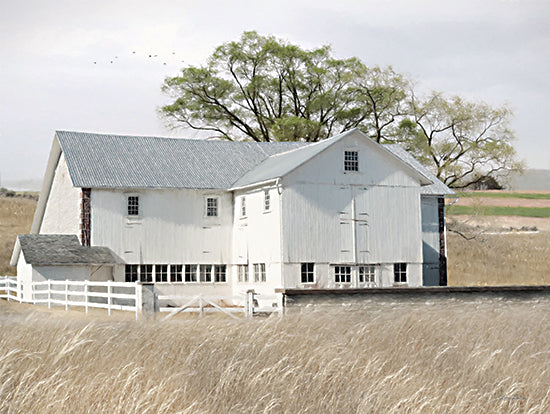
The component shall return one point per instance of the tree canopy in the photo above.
(265, 89)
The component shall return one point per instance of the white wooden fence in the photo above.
(125, 296)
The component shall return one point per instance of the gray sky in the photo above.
(497, 51)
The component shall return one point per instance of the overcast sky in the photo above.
(496, 51)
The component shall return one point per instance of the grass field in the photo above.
(504, 194)
(16, 215)
(499, 211)
(445, 356)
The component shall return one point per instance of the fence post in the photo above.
(49, 294)
(138, 301)
(249, 305)
(109, 299)
(281, 303)
(66, 294)
(86, 295)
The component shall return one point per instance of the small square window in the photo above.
(259, 272)
(176, 273)
(131, 273)
(219, 273)
(190, 273)
(243, 273)
(351, 161)
(308, 273)
(133, 205)
(400, 272)
(211, 207)
(146, 273)
(161, 273)
(367, 274)
(205, 274)
(342, 274)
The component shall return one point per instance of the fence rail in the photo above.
(126, 296)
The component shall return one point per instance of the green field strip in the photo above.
(527, 196)
(543, 212)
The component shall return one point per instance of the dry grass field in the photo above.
(441, 356)
(16, 215)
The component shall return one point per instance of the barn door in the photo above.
(345, 226)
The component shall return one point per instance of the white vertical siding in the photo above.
(62, 213)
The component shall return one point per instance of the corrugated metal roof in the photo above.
(62, 249)
(115, 161)
(281, 164)
(437, 188)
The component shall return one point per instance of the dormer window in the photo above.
(133, 205)
(351, 160)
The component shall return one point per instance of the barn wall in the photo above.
(256, 239)
(172, 227)
(74, 273)
(62, 213)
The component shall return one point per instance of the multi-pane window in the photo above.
(342, 274)
(219, 273)
(176, 273)
(267, 201)
(400, 272)
(190, 273)
(146, 273)
(308, 273)
(243, 206)
(211, 206)
(133, 205)
(205, 274)
(243, 273)
(161, 273)
(351, 161)
(259, 272)
(367, 274)
(131, 273)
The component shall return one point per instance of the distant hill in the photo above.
(23, 185)
(532, 179)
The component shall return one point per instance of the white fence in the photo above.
(125, 296)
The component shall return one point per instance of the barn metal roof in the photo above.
(62, 249)
(437, 188)
(115, 161)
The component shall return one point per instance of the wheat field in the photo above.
(411, 356)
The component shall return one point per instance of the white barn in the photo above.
(221, 217)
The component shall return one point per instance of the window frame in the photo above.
(207, 208)
(367, 272)
(351, 161)
(190, 272)
(206, 271)
(137, 206)
(131, 273)
(339, 274)
(176, 273)
(146, 275)
(259, 273)
(242, 273)
(400, 273)
(219, 271)
(306, 273)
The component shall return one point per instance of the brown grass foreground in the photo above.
(412, 356)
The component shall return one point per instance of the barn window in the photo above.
(342, 274)
(146, 273)
(367, 274)
(243, 273)
(133, 205)
(259, 272)
(131, 273)
(267, 201)
(161, 273)
(211, 206)
(176, 273)
(205, 274)
(243, 206)
(190, 273)
(400, 272)
(308, 273)
(219, 273)
(351, 161)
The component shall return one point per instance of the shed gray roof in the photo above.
(115, 161)
(62, 249)
(437, 188)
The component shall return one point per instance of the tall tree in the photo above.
(264, 89)
(461, 141)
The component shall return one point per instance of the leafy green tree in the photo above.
(264, 89)
(461, 141)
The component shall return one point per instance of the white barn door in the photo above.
(346, 236)
(361, 217)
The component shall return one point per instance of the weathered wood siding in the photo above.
(62, 213)
(172, 227)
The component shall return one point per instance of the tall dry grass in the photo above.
(16, 215)
(499, 259)
(410, 356)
